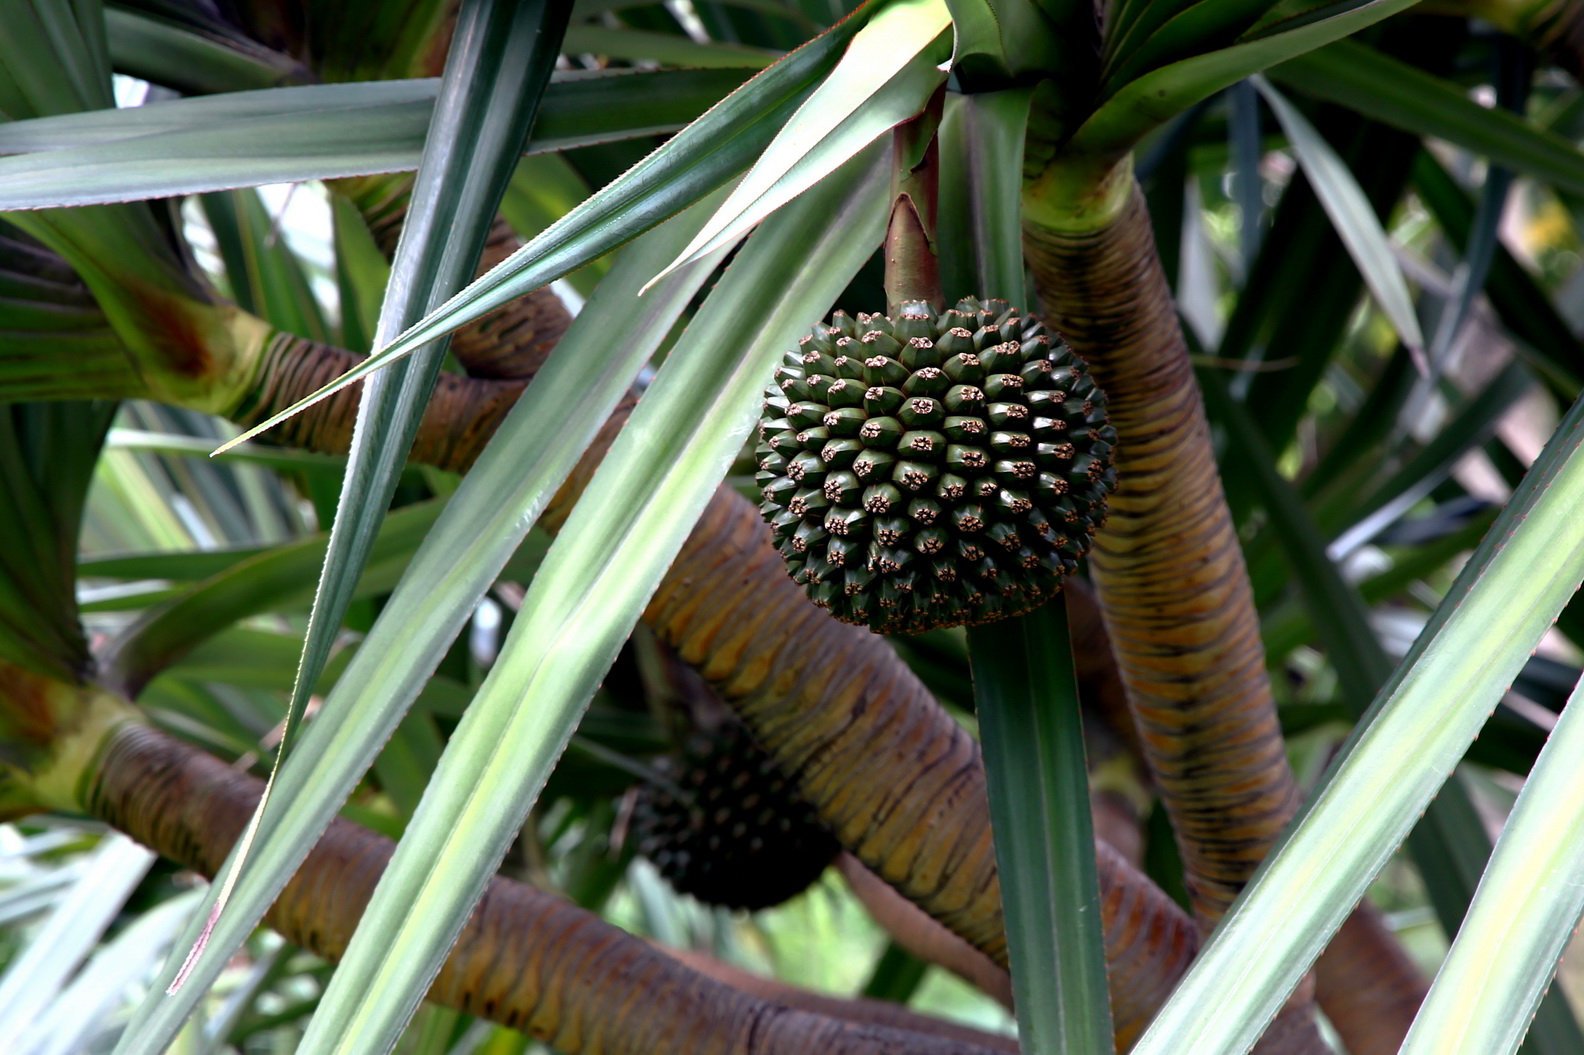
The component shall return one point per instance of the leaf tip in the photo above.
(236, 441)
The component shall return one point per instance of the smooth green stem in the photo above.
(1032, 734)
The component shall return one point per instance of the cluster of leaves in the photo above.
(1379, 353)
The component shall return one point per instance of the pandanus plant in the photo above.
(1292, 486)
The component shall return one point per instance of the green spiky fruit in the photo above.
(936, 469)
(730, 829)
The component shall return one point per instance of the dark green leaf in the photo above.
(1396, 93)
(284, 135)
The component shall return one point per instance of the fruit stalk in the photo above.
(912, 268)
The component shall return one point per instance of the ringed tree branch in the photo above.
(581, 985)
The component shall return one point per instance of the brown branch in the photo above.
(461, 415)
(914, 930)
(527, 959)
(857, 1009)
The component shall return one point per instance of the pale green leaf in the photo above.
(35, 977)
(89, 1005)
(607, 560)
(886, 76)
(1423, 720)
(500, 62)
(284, 135)
(1352, 216)
(533, 450)
(1523, 915)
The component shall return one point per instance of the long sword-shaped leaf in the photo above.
(1027, 703)
(668, 48)
(608, 559)
(1142, 105)
(1166, 34)
(266, 582)
(500, 62)
(196, 57)
(285, 135)
(42, 969)
(697, 160)
(980, 210)
(572, 98)
(1393, 92)
(1032, 731)
(1523, 915)
(887, 75)
(1351, 215)
(286, 459)
(503, 494)
(90, 1007)
(1423, 720)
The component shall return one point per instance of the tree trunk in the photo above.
(1167, 564)
(1173, 586)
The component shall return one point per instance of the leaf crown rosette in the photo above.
(936, 469)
